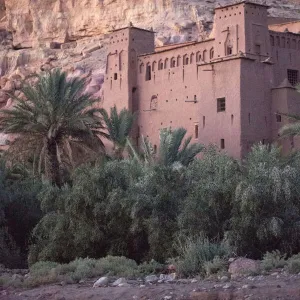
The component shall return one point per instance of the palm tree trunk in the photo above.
(54, 170)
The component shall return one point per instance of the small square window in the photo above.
(278, 118)
(221, 104)
(222, 144)
(293, 76)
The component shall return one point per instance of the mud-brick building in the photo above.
(225, 90)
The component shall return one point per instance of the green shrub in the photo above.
(215, 266)
(152, 267)
(42, 268)
(117, 266)
(273, 260)
(293, 264)
(194, 253)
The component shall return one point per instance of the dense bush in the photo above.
(265, 212)
(145, 211)
(200, 256)
(19, 213)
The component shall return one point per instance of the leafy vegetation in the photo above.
(153, 206)
(119, 126)
(55, 124)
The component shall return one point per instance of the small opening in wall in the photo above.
(115, 76)
(228, 50)
(249, 118)
(278, 118)
(148, 73)
(155, 149)
(221, 104)
(196, 131)
(203, 121)
(257, 49)
(263, 141)
(232, 117)
(195, 97)
(222, 144)
(293, 76)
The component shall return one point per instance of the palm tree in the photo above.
(118, 126)
(172, 149)
(290, 129)
(53, 121)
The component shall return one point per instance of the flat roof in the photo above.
(133, 28)
(242, 2)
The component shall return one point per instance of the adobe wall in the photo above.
(179, 85)
(121, 69)
(167, 100)
(256, 83)
(286, 100)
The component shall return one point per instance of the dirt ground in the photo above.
(277, 287)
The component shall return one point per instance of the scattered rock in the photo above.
(242, 266)
(167, 277)
(224, 278)
(119, 281)
(103, 281)
(194, 280)
(167, 297)
(248, 286)
(227, 286)
(17, 277)
(151, 279)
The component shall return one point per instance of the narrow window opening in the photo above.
(195, 98)
(221, 104)
(228, 50)
(222, 144)
(196, 131)
(257, 49)
(293, 77)
(249, 118)
(232, 117)
(211, 53)
(155, 149)
(115, 76)
(203, 120)
(148, 73)
(263, 141)
(278, 118)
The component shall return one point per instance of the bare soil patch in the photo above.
(276, 286)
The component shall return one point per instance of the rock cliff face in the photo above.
(38, 35)
(34, 23)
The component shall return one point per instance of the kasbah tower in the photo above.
(226, 90)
